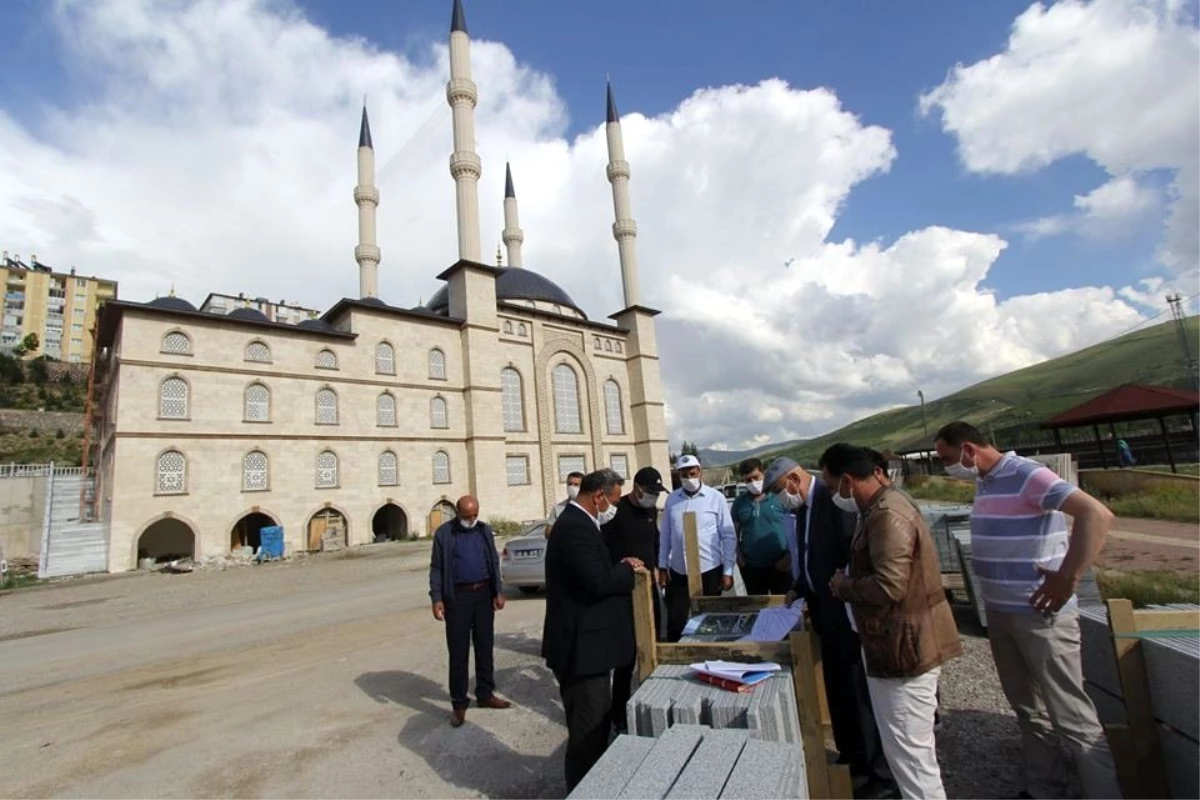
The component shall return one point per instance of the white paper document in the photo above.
(775, 623)
(734, 670)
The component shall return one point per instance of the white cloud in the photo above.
(1108, 211)
(1117, 81)
(217, 152)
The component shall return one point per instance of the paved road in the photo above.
(313, 688)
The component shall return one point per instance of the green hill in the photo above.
(1018, 401)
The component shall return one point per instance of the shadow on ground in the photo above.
(481, 756)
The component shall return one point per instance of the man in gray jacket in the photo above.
(464, 585)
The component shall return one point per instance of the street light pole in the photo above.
(924, 422)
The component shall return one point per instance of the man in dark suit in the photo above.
(823, 534)
(634, 532)
(588, 630)
(464, 585)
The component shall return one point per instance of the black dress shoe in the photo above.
(876, 789)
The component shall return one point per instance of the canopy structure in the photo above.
(1129, 402)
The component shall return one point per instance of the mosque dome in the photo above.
(314, 325)
(514, 283)
(171, 303)
(248, 314)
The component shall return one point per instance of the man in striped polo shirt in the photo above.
(1028, 567)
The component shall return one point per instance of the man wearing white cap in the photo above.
(714, 533)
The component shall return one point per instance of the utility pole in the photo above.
(1189, 362)
(924, 422)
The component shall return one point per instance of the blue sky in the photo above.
(1045, 198)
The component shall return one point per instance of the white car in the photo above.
(523, 559)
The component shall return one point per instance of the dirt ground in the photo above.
(1147, 544)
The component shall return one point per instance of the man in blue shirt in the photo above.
(714, 533)
(760, 522)
(464, 585)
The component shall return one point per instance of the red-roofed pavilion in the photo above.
(1128, 402)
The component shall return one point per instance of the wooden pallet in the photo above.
(802, 652)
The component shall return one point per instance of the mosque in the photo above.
(368, 421)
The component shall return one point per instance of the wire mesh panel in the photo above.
(327, 470)
(171, 471)
(173, 399)
(389, 469)
(254, 471)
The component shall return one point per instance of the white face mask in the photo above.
(961, 471)
(572, 492)
(755, 487)
(847, 504)
(792, 502)
(691, 485)
(468, 524)
(607, 514)
(648, 500)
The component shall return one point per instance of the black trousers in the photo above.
(766, 580)
(470, 619)
(622, 685)
(588, 703)
(855, 733)
(679, 602)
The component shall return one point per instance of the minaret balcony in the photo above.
(461, 90)
(623, 228)
(465, 164)
(366, 194)
(367, 252)
(617, 169)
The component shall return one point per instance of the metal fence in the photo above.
(13, 470)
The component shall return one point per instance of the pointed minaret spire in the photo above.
(366, 197)
(624, 228)
(458, 20)
(512, 235)
(464, 161)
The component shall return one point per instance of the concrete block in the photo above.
(1181, 755)
(1174, 677)
(657, 773)
(612, 772)
(761, 772)
(688, 707)
(705, 775)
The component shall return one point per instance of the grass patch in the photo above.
(18, 580)
(1149, 587)
(1175, 503)
(924, 487)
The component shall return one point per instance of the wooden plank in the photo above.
(705, 605)
(841, 782)
(822, 698)
(1139, 713)
(1153, 619)
(808, 705)
(691, 552)
(1120, 742)
(753, 652)
(644, 634)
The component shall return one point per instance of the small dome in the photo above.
(248, 314)
(314, 325)
(173, 303)
(514, 283)
(373, 301)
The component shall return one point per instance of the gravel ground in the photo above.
(978, 745)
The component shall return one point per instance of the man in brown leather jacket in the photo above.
(905, 625)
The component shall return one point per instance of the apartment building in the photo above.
(59, 307)
(283, 311)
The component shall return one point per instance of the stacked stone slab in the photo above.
(670, 697)
(1173, 675)
(691, 761)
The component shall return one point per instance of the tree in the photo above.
(28, 345)
(690, 449)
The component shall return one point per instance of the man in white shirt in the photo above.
(573, 481)
(715, 536)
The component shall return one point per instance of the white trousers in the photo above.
(904, 713)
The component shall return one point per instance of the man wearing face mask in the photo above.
(573, 480)
(1029, 567)
(714, 533)
(906, 628)
(823, 532)
(464, 585)
(633, 533)
(760, 522)
(588, 630)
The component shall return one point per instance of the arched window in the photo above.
(173, 399)
(254, 471)
(258, 403)
(557, 308)
(608, 345)
(439, 417)
(522, 330)
(508, 327)
(327, 470)
(617, 347)
(258, 351)
(385, 410)
(512, 402)
(437, 364)
(595, 342)
(385, 359)
(612, 408)
(170, 473)
(441, 467)
(389, 469)
(566, 400)
(177, 343)
(327, 407)
(326, 359)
